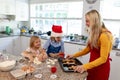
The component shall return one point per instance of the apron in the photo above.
(101, 72)
(52, 49)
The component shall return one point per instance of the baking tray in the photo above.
(66, 66)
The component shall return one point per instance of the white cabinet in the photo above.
(85, 59)
(7, 7)
(73, 48)
(115, 65)
(24, 42)
(6, 45)
(16, 45)
(43, 42)
(22, 10)
(10, 45)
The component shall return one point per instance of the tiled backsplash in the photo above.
(12, 24)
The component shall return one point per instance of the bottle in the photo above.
(8, 30)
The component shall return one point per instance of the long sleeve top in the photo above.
(55, 44)
(105, 43)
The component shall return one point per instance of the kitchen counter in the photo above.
(45, 71)
(46, 37)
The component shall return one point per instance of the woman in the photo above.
(99, 46)
(55, 46)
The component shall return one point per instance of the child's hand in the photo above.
(44, 57)
(39, 57)
(31, 58)
(61, 54)
(54, 55)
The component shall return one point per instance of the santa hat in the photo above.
(56, 31)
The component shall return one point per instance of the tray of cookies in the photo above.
(67, 65)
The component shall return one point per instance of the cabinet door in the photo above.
(24, 42)
(2, 7)
(6, 45)
(16, 45)
(22, 10)
(85, 58)
(71, 48)
(115, 65)
(7, 7)
(43, 42)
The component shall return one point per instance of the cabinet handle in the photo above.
(117, 53)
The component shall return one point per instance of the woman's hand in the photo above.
(79, 68)
(69, 56)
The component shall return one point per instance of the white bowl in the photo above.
(7, 65)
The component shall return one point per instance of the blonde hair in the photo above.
(96, 28)
(32, 40)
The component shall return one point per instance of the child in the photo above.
(35, 50)
(55, 46)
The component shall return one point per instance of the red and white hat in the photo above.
(56, 31)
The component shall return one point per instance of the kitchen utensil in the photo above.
(67, 64)
(7, 65)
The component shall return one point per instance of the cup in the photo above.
(53, 69)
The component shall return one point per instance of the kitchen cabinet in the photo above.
(10, 45)
(7, 7)
(22, 10)
(115, 65)
(73, 48)
(24, 42)
(6, 45)
(16, 45)
(43, 42)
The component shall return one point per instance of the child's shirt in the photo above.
(33, 51)
(54, 47)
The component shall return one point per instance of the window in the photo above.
(110, 10)
(44, 15)
(69, 16)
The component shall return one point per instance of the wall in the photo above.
(87, 7)
(12, 24)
